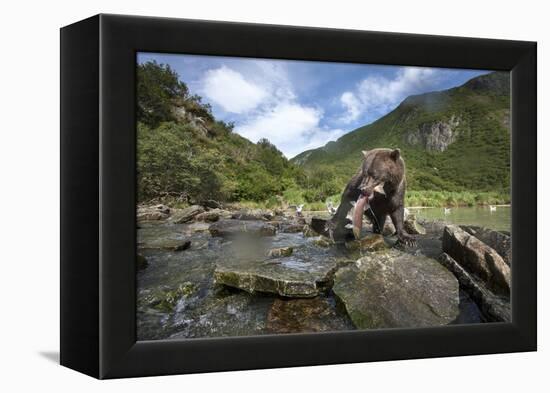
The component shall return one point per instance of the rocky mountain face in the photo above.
(452, 140)
(435, 136)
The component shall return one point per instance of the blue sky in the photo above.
(301, 105)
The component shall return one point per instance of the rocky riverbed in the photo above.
(208, 271)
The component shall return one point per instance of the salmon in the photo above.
(358, 211)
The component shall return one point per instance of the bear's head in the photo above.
(382, 171)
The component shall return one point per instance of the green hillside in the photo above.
(185, 155)
(456, 140)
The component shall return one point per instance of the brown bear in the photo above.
(378, 189)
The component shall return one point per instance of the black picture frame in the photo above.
(98, 216)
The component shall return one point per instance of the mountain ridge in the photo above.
(452, 140)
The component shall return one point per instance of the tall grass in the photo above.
(455, 199)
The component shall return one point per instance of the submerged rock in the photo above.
(187, 214)
(477, 258)
(292, 276)
(394, 289)
(498, 241)
(232, 228)
(494, 308)
(165, 299)
(304, 315)
(169, 244)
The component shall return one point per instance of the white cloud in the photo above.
(230, 90)
(261, 98)
(379, 94)
(353, 107)
(290, 126)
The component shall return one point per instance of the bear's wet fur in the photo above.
(381, 177)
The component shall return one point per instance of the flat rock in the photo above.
(304, 315)
(232, 228)
(477, 258)
(187, 214)
(393, 289)
(299, 276)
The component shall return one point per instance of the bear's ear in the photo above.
(365, 152)
(395, 154)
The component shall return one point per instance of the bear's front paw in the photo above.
(406, 239)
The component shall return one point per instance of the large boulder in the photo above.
(498, 241)
(477, 258)
(304, 315)
(393, 289)
(187, 214)
(292, 276)
(234, 228)
(494, 308)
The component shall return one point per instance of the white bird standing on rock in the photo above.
(331, 209)
(492, 208)
(446, 210)
(299, 209)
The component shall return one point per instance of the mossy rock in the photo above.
(166, 299)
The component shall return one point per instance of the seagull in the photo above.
(331, 209)
(446, 210)
(492, 208)
(299, 209)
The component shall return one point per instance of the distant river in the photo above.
(500, 219)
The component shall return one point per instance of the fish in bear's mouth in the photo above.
(361, 205)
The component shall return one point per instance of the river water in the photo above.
(177, 297)
(500, 219)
